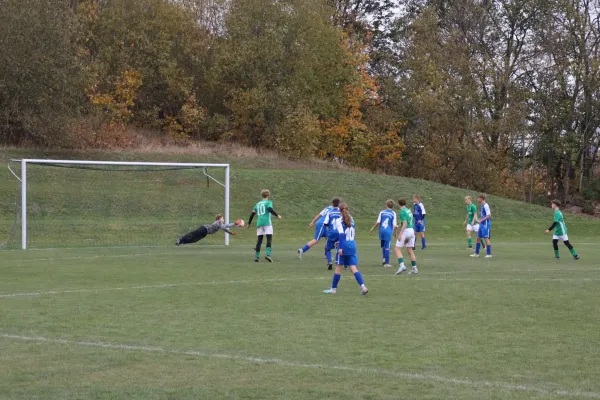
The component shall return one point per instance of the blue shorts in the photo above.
(385, 237)
(484, 232)
(347, 261)
(420, 227)
(386, 244)
(321, 231)
(331, 241)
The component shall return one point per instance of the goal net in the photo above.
(102, 203)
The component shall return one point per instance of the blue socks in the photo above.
(488, 249)
(328, 255)
(386, 256)
(423, 242)
(305, 248)
(336, 280)
(477, 247)
(358, 277)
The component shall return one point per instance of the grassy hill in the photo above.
(85, 207)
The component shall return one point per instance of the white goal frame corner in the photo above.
(26, 161)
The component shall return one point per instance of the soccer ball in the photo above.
(240, 222)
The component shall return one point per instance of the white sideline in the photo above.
(90, 257)
(326, 278)
(293, 364)
(457, 245)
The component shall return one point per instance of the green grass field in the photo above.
(105, 307)
(206, 322)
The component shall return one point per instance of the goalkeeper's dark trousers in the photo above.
(194, 236)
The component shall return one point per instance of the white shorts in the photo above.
(474, 227)
(564, 238)
(264, 230)
(407, 239)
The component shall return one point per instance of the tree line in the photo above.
(500, 96)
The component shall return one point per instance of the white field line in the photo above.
(103, 248)
(326, 278)
(457, 245)
(188, 253)
(294, 364)
(51, 259)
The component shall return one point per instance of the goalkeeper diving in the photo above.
(209, 229)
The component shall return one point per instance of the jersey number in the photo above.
(385, 223)
(262, 209)
(349, 234)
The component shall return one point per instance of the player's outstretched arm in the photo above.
(374, 226)
(270, 210)
(251, 218)
(315, 219)
(551, 228)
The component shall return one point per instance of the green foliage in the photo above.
(279, 56)
(445, 91)
(42, 79)
(154, 37)
(592, 191)
(299, 133)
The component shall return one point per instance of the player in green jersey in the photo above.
(263, 209)
(405, 238)
(471, 221)
(560, 231)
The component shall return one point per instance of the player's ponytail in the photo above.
(346, 214)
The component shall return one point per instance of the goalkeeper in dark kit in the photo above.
(208, 229)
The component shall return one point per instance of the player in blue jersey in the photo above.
(347, 256)
(387, 222)
(485, 227)
(419, 216)
(332, 234)
(320, 229)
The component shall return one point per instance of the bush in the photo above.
(588, 207)
(592, 190)
(298, 134)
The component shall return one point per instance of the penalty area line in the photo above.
(294, 364)
(427, 277)
(90, 257)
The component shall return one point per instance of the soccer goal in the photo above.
(79, 203)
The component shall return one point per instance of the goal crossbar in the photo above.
(26, 161)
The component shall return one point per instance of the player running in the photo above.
(321, 230)
(406, 238)
(561, 231)
(208, 229)
(332, 234)
(387, 222)
(485, 228)
(264, 210)
(419, 215)
(347, 256)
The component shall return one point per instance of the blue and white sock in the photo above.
(359, 278)
(336, 280)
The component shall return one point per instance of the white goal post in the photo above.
(23, 180)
